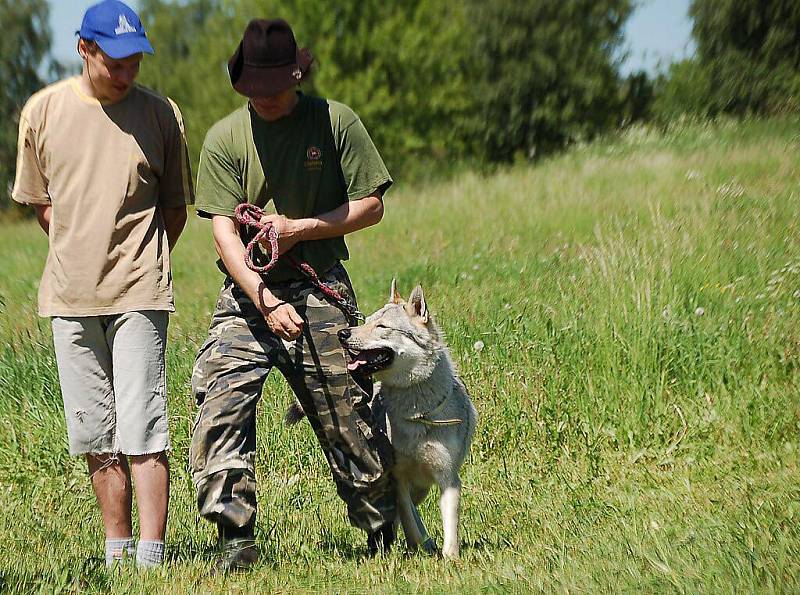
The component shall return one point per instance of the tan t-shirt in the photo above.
(106, 169)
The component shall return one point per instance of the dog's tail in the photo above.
(294, 414)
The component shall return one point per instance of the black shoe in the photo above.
(381, 540)
(236, 555)
(238, 551)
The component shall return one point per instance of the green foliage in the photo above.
(24, 46)
(398, 65)
(685, 89)
(401, 69)
(637, 97)
(750, 51)
(544, 72)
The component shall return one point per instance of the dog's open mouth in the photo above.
(368, 361)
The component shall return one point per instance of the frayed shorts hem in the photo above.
(136, 452)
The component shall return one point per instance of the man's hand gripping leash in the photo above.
(250, 216)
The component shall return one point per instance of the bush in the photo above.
(750, 52)
(684, 90)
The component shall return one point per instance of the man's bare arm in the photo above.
(347, 218)
(174, 222)
(281, 317)
(43, 213)
(351, 216)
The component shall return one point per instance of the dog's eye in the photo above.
(381, 326)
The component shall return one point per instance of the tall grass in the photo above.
(627, 319)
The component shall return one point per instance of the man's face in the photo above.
(111, 79)
(275, 107)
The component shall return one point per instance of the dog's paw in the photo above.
(451, 553)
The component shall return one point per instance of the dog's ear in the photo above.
(394, 297)
(416, 304)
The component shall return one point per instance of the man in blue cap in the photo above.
(104, 163)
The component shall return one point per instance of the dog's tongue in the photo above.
(356, 363)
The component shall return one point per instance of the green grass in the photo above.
(639, 303)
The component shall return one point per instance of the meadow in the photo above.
(627, 319)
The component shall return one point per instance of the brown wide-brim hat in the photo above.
(267, 60)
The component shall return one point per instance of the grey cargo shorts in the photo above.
(113, 381)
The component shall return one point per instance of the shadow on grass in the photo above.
(190, 550)
(341, 546)
(345, 548)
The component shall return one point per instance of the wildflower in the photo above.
(478, 346)
(699, 311)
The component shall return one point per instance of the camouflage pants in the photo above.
(227, 381)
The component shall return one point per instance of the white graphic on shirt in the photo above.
(124, 26)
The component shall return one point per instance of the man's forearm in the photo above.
(351, 216)
(174, 222)
(231, 251)
(281, 317)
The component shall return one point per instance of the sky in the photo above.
(657, 33)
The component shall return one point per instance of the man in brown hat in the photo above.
(312, 163)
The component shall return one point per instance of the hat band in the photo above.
(262, 65)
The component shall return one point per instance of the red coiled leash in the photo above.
(250, 215)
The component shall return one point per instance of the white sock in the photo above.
(149, 553)
(117, 550)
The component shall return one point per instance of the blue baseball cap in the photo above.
(116, 28)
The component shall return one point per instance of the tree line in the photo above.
(441, 83)
(747, 62)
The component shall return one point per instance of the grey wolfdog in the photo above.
(430, 418)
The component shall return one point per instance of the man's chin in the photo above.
(270, 115)
(115, 94)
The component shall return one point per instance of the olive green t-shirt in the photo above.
(305, 164)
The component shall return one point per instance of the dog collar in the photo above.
(423, 418)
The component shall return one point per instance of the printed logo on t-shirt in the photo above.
(124, 26)
(314, 158)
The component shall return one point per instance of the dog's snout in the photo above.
(344, 334)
